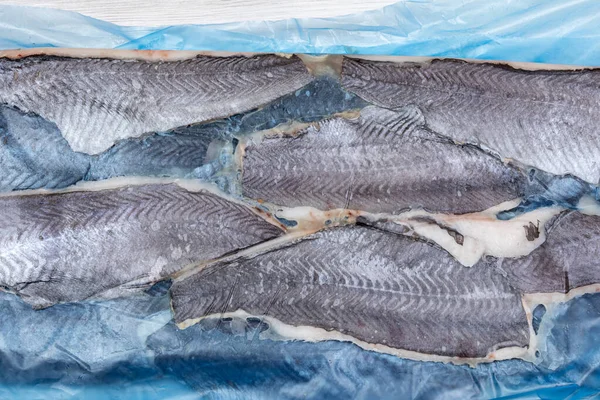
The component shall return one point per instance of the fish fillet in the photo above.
(195, 151)
(528, 116)
(383, 161)
(75, 245)
(375, 286)
(33, 153)
(570, 257)
(96, 102)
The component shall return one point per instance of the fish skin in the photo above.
(71, 246)
(167, 155)
(33, 154)
(198, 151)
(184, 151)
(96, 102)
(383, 161)
(375, 286)
(325, 98)
(568, 259)
(527, 116)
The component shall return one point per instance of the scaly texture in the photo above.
(71, 246)
(192, 151)
(375, 286)
(95, 102)
(33, 154)
(384, 161)
(546, 119)
(170, 155)
(570, 257)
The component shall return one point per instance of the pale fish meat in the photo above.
(374, 286)
(570, 257)
(96, 102)
(383, 161)
(75, 245)
(528, 116)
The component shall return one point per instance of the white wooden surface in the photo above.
(170, 12)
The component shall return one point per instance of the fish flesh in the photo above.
(568, 259)
(75, 245)
(96, 102)
(375, 286)
(383, 161)
(33, 153)
(523, 115)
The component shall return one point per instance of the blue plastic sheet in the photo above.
(548, 31)
(130, 348)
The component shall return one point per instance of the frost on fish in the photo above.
(96, 102)
(202, 150)
(383, 161)
(528, 116)
(33, 154)
(374, 286)
(570, 257)
(74, 245)
(164, 155)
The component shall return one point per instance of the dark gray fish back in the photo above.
(70, 246)
(522, 115)
(110, 100)
(374, 286)
(568, 259)
(383, 161)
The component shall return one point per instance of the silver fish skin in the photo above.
(383, 161)
(374, 286)
(544, 119)
(76, 245)
(568, 259)
(96, 102)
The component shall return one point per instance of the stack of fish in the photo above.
(421, 209)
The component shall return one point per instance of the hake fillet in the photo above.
(544, 119)
(96, 102)
(568, 259)
(75, 245)
(383, 161)
(375, 286)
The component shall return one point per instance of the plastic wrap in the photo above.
(130, 348)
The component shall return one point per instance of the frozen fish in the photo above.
(383, 161)
(544, 119)
(75, 245)
(375, 286)
(96, 102)
(568, 259)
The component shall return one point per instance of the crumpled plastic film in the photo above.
(130, 348)
(547, 31)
